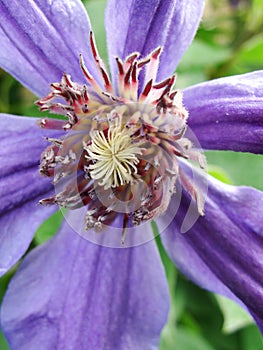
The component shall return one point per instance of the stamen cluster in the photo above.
(120, 155)
(113, 156)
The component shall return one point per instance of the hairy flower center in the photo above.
(113, 157)
(121, 153)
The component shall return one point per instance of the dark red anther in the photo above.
(93, 47)
(130, 59)
(55, 142)
(134, 71)
(172, 80)
(156, 52)
(162, 84)
(53, 124)
(147, 88)
(85, 94)
(179, 134)
(179, 153)
(47, 201)
(67, 80)
(128, 75)
(168, 87)
(84, 69)
(172, 95)
(56, 86)
(149, 127)
(106, 79)
(143, 62)
(49, 172)
(120, 66)
(44, 100)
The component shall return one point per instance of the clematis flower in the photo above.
(70, 293)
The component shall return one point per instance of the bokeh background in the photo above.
(229, 41)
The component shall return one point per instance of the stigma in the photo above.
(113, 156)
(123, 144)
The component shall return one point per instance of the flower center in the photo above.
(121, 153)
(112, 156)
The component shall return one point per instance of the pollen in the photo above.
(113, 157)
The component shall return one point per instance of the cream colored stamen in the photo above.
(113, 156)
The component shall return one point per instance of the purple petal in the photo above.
(42, 39)
(72, 294)
(22, 142)
(227, 113)
(144, 25)
(222, 251)
(21, 186)
(18, 227)
(183, 27)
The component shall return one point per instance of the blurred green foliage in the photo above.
(229, 41)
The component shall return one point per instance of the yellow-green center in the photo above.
(114, 157)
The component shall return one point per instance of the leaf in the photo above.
(255, 16)
(242, 168)
(3, 342)
(234, 316)
(4, 280)
(48, 228)
(201, 54)
(251, 52)
(95, 11)
(250, 338)
(184, 339)
(220, 174)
